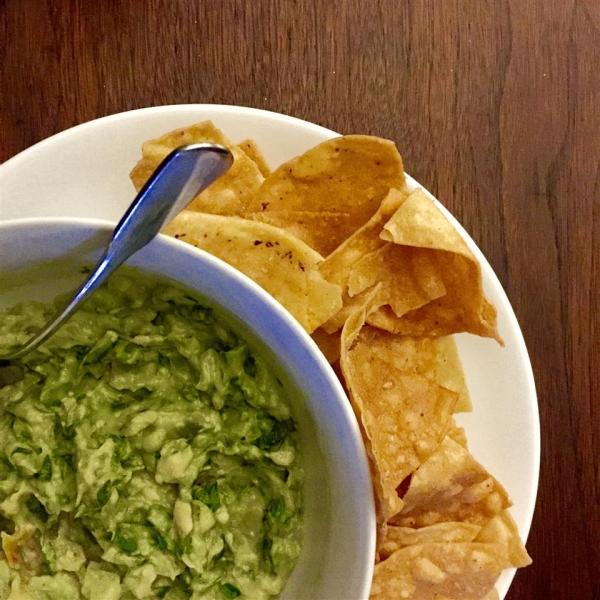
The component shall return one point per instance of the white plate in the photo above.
(61, 175)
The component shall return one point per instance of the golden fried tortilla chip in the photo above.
(503, 530)
(433, 357)
(350, 306)
(415, 285)
(399, 537)
(329, 343)
(459, 310)
(403, 411)
(457, 433)
(281, 264)
(456, 570)
(230, 194)
(313, 228)
(450, 374)
(451, 486)
(252, 151)
(349, 174)
(337, 266)
(409, 278)
(419, 223)
(386, 503)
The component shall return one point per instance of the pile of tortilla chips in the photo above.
(381, 280)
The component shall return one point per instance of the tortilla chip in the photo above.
(329, 344)
(313, 228)
(349, 307)
(337, 266)
(457, 433)
(252, 151)
(462, 571)
(415, 285)
(459, 310)
(230, 194)
(403, 411)
(419, 223)
(409, 278)
(386, 503)
(435, 358)
(503, 530)
(350, 174)
(281, 264)
(450, 374)
(399, 537)
(352, 330)
(323, 298)
(451, 486)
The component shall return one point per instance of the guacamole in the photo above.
(147, 453)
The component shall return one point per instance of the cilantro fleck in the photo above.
(230, 591)
(208, 494)
(250, 366)
(103, 495)
(35, 507)
(273, 432)
(159, 540)
(125, 543)
(45, 472)
(276, 509)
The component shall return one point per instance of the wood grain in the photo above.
(495, 105)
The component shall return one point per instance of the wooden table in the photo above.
(495, 107)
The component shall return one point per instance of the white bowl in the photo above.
(40, 258)
(84, 172)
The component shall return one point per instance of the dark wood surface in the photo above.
(495, 106)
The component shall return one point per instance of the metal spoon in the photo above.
(181, 176)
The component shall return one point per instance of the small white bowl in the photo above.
(40, 258)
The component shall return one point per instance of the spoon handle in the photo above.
(182, 175)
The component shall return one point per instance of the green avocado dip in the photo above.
(147, 453)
